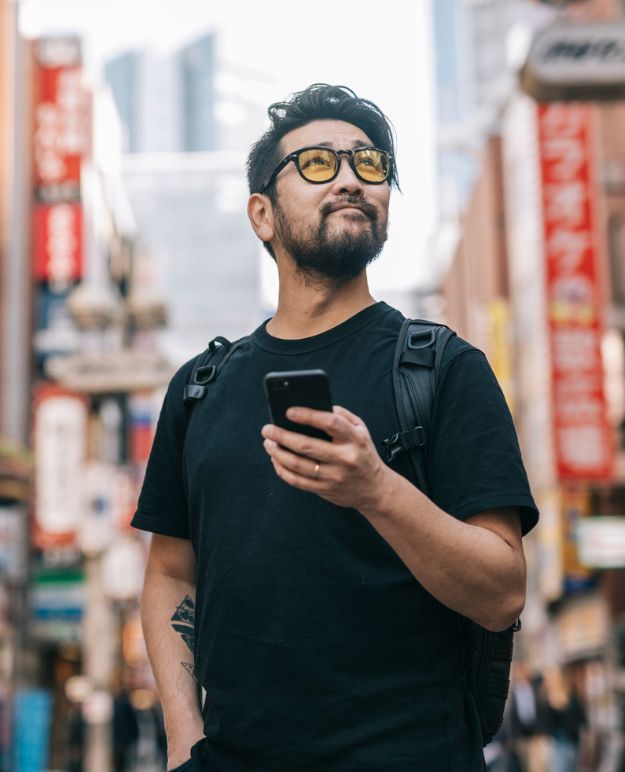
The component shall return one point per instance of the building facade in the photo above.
(537, 281)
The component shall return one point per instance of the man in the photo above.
(321, 584)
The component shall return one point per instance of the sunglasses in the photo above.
(319, 164)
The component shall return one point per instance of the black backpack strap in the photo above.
(416, 363)
(416, 366)
(207, 367)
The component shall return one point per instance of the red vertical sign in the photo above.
(582, 435)
(62, 129)
(57, 243)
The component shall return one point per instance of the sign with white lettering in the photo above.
(57, 244)
(60, 440)
(581, 431)
(105, 373)
(62, 120)
(601, 542)
(569, 61)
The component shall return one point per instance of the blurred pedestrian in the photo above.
(328, 585)
(76, 738)
(125, 730)
(566, 718)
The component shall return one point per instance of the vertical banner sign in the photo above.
(582, 435)
(60, 443)
(61, 141)
(61, 119)
(57, 243)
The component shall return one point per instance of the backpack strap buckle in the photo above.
(403, 441)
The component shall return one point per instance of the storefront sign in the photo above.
(123, 567)
(122, 371)
(55, 329)
(582, 434)
(142, 425)
(575, 506)
(577, 62)
(60, 438)
(57, 244)
(58, 596)
(601, 542)
(583, 627)
(12, 542)
(499, 348)
(61, 119)
(32, 720)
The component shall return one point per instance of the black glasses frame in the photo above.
(294, 156)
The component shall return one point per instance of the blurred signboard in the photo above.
(60, 439)
(32, 719)
(575, 505)
(123, 566)
(141, 419)
(582, 62)
(582, 435)
(582, 627)
(55, 329)
(57, 243)
(110, 373)
(58, 596)
(12, 546)
(601, 542)
(61, 136)
(499, 349)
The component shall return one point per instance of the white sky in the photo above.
(381, 50)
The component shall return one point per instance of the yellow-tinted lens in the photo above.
(372, 165)
(317, 164)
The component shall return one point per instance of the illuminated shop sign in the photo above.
(569, 61)
(582, 434)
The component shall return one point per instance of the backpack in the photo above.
(416, 365)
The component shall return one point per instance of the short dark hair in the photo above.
(318, 102)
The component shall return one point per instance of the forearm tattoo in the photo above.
(183, 622)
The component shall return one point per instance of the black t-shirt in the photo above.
(317, 648)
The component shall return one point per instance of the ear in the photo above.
(260, 213)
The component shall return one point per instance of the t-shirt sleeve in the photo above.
(162, 505)
(475, 461)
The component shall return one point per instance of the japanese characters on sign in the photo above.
(61, 141)
(57, 244)
(582, 435)
(60, 442)
(61, 123)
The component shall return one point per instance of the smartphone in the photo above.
(298, 388)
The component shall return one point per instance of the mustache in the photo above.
(365, 207)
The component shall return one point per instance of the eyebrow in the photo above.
(355, 143)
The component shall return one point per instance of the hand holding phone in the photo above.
(297, 388)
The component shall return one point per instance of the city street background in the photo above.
(125, 247)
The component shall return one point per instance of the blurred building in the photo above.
(190, 211)
(15, 464)
(472, 75)
(86, 332)
(166, 102)
(537, 281)
(197, 68)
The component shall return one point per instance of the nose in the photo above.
(346, 180)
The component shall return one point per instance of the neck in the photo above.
(307, 308)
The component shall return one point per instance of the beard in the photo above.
(333, 259)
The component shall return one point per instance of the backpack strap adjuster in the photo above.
(205, 374)
(403, 441)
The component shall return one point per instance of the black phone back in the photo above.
(297, 388)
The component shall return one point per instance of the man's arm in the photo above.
(168, 617)
(476, 567)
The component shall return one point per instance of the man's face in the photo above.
(331, 230)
